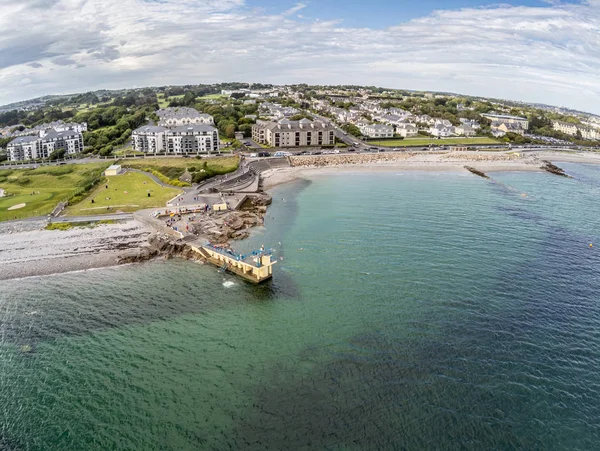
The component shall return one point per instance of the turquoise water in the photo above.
(410, 311)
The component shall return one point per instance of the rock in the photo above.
(553, 169)
(137, 255)
(476, 172)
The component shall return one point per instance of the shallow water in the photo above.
(409, 311)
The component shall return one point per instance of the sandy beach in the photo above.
(43, 252)
(447, 162)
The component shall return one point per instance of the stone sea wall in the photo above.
(482, 157)
(335, 160)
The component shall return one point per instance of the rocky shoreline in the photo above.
(217, 228)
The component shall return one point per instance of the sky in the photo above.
(545, 51)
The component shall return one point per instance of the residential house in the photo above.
(407, 130)
(465, 130)
(508, 127)
(376, 130)
(441, 131)
(506, 119)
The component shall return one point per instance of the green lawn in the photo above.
(411, 142)
(127, 192)
(172, 166)
(43, 188)
(170, 169)
(213, 97)
(162, 102)
(127, 151)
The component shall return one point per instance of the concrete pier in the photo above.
(256, 267)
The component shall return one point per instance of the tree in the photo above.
(57, 154)
(246, 129)
(230, 131)
(578, 134)
(351, 129)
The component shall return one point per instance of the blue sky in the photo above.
(528, 50)
(380, 13)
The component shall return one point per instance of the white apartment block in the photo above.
(179, 116)
(183, 140)
(376, 130)
(286, 133)
(34, 147)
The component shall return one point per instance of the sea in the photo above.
(408, 311)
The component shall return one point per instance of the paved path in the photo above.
(159, 181)
(109, 217)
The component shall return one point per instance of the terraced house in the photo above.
(286, 133)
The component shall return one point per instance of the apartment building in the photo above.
(183, 140)
(572, 129)
(179, 116)
(286, 133)
(33, 147)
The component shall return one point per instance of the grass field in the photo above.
(162, 101)
(173, 168)
(214, 97)
(127, 192)
(412, 142)
(43, 188)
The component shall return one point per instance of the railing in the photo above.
(227, 252)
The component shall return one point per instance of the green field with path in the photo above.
(127, 192)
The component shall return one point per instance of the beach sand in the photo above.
(44, 252)
(483, 161)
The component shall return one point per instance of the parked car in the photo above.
(266, 154)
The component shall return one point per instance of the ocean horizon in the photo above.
(408, 310)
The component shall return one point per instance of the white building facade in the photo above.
(376, 130)
(179, 116)
(26, 148)
(183, 140)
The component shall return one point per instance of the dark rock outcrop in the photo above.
(476, 172)
(159, 245)
(553, 169)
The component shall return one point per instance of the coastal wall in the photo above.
(478, 156)
(335, 160)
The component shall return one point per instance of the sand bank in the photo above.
(45, 252)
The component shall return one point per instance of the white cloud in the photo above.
(543, 54)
